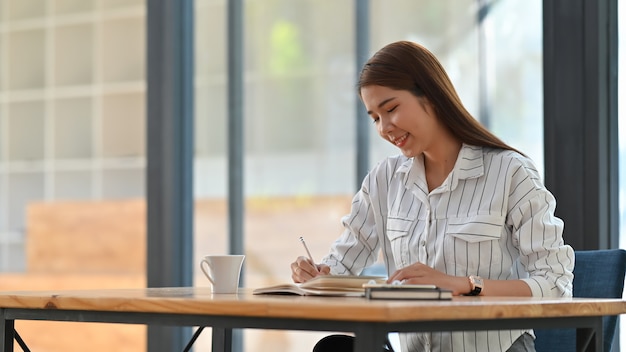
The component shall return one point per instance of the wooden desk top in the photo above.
(200, 300)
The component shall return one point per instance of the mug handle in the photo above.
(206, 271)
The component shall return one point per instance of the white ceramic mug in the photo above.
(223, 271)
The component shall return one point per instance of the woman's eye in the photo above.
(392, 109)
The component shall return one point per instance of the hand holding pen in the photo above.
(304, 268)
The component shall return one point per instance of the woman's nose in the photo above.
(386, 126)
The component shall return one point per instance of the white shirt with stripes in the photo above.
(491, 217)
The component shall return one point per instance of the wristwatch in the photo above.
(476, 285)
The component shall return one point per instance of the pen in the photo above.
(307, 250)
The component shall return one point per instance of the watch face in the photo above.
(477, 285)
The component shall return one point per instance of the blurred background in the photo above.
(73, 134)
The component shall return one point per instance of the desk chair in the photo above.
(597, 274)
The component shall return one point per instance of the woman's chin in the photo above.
(407, 153)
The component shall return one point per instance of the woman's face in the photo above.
(406, 121)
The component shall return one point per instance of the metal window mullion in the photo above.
(362, 38)
(169, 194)
(236, 139)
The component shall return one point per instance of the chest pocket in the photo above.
(398, 227)
(476, 244)
(400, 234)
(476, 228)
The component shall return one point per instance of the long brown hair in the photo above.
(409, 66)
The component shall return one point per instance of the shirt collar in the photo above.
(469, 164)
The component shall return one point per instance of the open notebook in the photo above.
(325, 285)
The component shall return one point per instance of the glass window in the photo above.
(299, 138)
(72, 156)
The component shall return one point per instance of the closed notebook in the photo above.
(387, 291)
(324, 285)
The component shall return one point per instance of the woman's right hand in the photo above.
(303, 270)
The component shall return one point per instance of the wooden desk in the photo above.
(369, 320)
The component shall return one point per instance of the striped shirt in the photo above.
(491, 217)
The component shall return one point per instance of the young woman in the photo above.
(458, 208)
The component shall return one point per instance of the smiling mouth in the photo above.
(400, 140)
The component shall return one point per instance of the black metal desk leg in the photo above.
(21, 342)
(222, 340)
(369, 338)
(590, 339)
(193, 339)
(8, 333)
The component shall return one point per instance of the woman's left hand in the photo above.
(419, 273)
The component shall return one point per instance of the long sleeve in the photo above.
(538, 233)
